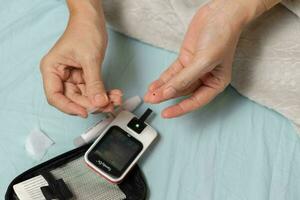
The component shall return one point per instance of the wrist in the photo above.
(88, 14)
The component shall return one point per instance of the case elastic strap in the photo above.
(56, 189)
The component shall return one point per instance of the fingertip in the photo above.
(116, 100)
(81, 112)
(166, 114)
(116, 92)
(172, 112)
(73, 109)
(151, 97)
(161, 94)
(100, 100)
(84, 116)
(156, 97)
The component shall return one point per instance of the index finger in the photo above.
(182, 81)
(171, 71)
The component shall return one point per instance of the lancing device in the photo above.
(95, 131)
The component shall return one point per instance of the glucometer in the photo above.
(120, 146)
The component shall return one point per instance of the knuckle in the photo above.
(223, 85)
(205, 59)
(219, 82)
(91, 58)
(183, 84)
(186, 56)
(43, 62)
(93, 84)
(195, 102)
(50, 100)
(225, 82)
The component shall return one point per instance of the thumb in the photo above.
(94, 85)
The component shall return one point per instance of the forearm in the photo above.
(88, 15)
(86, 9)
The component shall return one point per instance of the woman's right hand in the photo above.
(71, 70)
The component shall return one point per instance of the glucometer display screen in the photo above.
(115, 151)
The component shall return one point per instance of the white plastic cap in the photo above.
(78, 142)
(132, 103)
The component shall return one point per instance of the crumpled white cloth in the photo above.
(267, 62)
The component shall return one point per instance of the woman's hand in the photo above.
(72, 69)
(203, 67)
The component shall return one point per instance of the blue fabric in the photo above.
(232, 149)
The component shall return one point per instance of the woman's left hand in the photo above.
(203, 67)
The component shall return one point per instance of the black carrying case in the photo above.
(133, 186)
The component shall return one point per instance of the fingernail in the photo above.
(101, 100)
(164, 115)
(92, 110)
(151, 88)
(145, 99)
(169, 92)
(82, 115)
